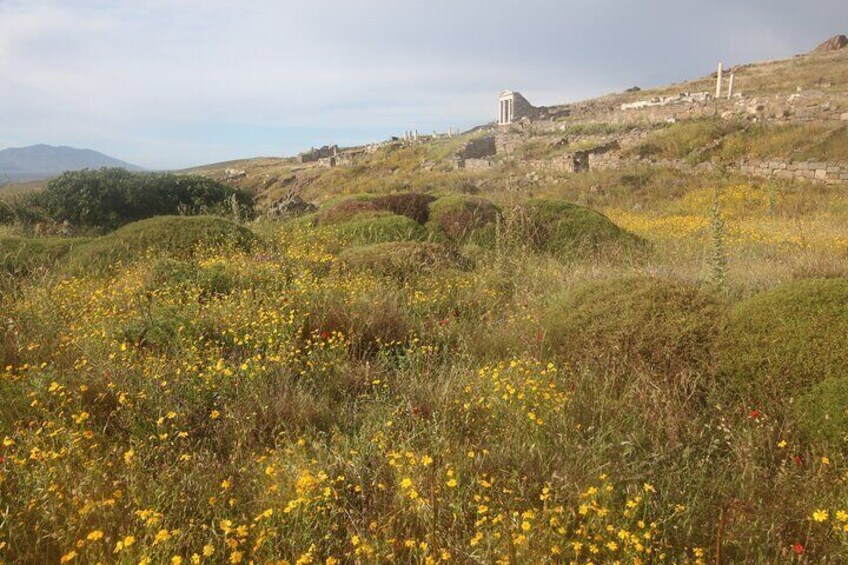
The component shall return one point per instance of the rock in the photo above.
(633, 89)
(835, 43)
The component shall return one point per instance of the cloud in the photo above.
(179, 82)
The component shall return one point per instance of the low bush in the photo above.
(564, 229)
(783, 341)
(172, 235)
(651, 325)
(458, 217)
(414, 206)
(377, 227)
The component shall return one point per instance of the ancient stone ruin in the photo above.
(315, 154)
(512, 107)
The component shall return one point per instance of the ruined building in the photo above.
(512, 107)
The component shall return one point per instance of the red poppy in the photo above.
(796, 459)
(797, 548)
(754, 414)
(325, 334)
(443, 323)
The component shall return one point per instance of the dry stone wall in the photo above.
(831, 173)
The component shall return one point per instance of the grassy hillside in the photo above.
(512, 366)
(317, 396)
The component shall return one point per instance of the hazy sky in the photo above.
(168, 84)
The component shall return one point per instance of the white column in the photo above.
(718, 82)
(730, 87)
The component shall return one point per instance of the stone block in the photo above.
(821, 174)
(833, 169)
(844, 117)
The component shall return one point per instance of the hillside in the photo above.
(38, 162)
(783, 112)
(604, 334)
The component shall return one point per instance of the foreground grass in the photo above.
(298, 400)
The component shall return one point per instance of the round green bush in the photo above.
(660, 326)
(377, 227)
(565, 229)
(174, 235)
(780, 342)
(821, 413)
(458, 217)
(414, 206)
(402, 258)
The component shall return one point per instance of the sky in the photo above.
(173, 84)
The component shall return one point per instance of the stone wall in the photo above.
(477, 165)
(478, 148)
(831, 173)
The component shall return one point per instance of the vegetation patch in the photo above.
(414, 206)
(785, 340)
(564, 229)
(20, 256)
(376, 227)
(662, 327)
(109, 198)
(173, 235)
(458, 216)
(402, 258)
(821, 413)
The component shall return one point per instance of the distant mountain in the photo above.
(45, 161)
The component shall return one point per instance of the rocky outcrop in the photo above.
(835, 43)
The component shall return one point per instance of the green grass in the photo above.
(20, 256)
(174, 235)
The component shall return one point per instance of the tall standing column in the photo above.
(730, 87)
(718, 82)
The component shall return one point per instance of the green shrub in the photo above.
(782, 341)
(458, 216)
(564, 229)
(377, 227)
(110, 198)
(402, 258)
(20, 256)
(410, 204)
(174, 235)
(658, 326)
(821, 413)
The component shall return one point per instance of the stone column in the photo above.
(730, 87)
(718, 82)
